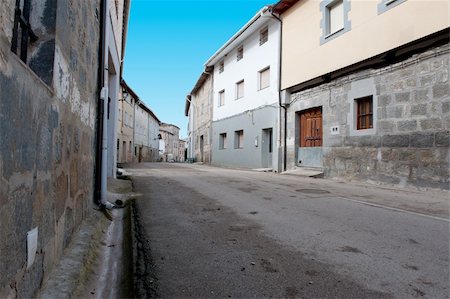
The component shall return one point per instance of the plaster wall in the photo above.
(372, 33)
(256, 58)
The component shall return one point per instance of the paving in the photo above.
(211, 232)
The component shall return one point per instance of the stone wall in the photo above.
(409, 144)
(47, 140)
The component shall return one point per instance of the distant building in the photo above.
(199, 109)
(169, 144)
(126, 119)
(146, 134)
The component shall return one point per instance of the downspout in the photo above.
(284, 106)
(104, 93)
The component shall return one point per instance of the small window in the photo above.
(385, 5)
(223, 141)
(335, 17)
(263, 36)
(240, 89)
(364, 110)
(239, 139)
(221, 98)
(264, 78)
(221, 66)
(240, 53)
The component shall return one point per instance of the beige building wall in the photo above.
(304, 58)
(202, 102)
(125, 148)
(170, 135)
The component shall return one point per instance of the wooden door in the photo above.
(311, 127)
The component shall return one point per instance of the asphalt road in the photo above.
(215, 232)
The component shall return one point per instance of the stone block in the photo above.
(407, 125)
(385, 126)
(441, 90)
(403, 97)
(411, 82)
(442, 76)
(408, 155)
(394, 111)
(431, 123)
(427, 80)
(445, 107)
(442, 138)
(423, 67)
(421, 95)
(384, 100)
(395, 141)
(421, 140)
(397, 86)
(419, 109)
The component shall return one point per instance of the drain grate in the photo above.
(313, 191)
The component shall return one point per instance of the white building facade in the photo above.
(146, 134)
(245, 121)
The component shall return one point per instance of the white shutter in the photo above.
(264, 78)
(336, 17)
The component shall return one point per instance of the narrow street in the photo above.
(212, 232)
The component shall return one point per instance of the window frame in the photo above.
(263, 35)
(239, 139)
(260, 87)
(240, 53)
(222, 141)
(238, 84)
(221, 66)
(325, 7)
(385, 5)
(362, 104)
(221, 98)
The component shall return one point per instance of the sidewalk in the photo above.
(94, 263)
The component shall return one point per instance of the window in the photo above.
(263, 36)
(37, 52)
(221, 66)
(129, 149)
(334, 18)
(240, 53)
(240, 89)
(223, 141)
(385, 5)
(221, 97)
(264, 78)
(239, 139)
(364, 110)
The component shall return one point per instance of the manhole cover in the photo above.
(313, 191)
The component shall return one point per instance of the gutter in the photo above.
(284, 106)
(102, 136)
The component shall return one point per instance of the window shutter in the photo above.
(336, 17)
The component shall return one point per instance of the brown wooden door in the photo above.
(311, 127)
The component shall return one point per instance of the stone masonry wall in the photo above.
(47, 142)
(409, 144)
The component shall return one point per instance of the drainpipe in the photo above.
(103, 107)
(284, 106)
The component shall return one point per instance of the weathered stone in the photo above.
(394, 111)
(421, 140)
(431, 123)
(384, 100)
(395, 141)
(421, 95)
(402, 97)
(442, 138)
(445, 107)
(441, 90)
(385, 126)
(427, 80)
(420, 109)
(407, 125)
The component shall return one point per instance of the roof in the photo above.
(129, 90)
(149, 111)
(169, 125)
(201, 80)
(242, 34)
(283, 5)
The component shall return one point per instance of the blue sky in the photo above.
(169, 41)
